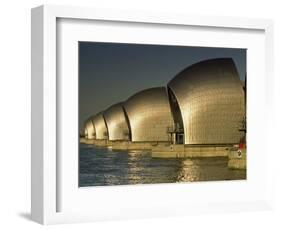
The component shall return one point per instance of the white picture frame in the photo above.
(47, 176)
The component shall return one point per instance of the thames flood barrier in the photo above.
(200, 113)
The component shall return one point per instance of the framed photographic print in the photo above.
(147, 114)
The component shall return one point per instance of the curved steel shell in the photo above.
(90, 129)
(149, 115)
(116, 122)
(211, 101)
(100, 127)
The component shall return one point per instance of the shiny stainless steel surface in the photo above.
(89, 129)
(211, 101)
(149, 115)
(117, 125)
(100, 127)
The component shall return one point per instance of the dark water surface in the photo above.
(102, 166)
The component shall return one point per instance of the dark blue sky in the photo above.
(111, 72)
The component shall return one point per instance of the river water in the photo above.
(102, 166)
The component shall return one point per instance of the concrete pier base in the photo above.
(121, 145)
(100, 143)
(237, 160)
(186, 151)
(167, 150)
(127, 145)
(82, 140)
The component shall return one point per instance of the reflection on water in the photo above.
(101, 166)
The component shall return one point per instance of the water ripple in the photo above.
(102, 166)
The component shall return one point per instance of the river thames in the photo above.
(102, 166)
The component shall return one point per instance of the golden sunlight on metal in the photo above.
(211, 101)
(149, 115)
(117, 125)
(100, 127)
(90, 129)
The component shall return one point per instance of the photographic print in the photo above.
(153, 114)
